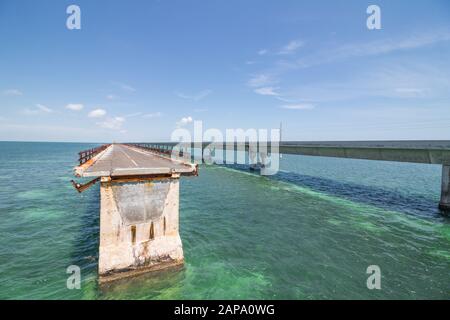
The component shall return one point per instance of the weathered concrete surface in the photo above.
(123, 160)
(139, 223)
(444, 204)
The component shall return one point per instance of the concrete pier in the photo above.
(444, 204)
(139, 222)
(139, 210)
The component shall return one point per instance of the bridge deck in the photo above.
(123, 160)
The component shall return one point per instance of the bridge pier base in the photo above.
(139, 220)
(444, 204)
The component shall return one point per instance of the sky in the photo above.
(138, 70)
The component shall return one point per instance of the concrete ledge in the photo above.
(131, 272)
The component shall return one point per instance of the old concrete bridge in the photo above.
(139, 192)
(139, 188)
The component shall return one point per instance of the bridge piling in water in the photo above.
(444, 204)
(139, 222)
(139, 208)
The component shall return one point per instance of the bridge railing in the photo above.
(155, 148)
(88, 154)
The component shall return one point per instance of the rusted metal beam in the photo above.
(81, 187)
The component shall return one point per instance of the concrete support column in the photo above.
(139, 223)
(444, 204)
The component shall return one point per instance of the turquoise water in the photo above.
(308, 233)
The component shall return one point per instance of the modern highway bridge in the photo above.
(139, 188)
(426, 152)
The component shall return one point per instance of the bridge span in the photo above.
(427, 152)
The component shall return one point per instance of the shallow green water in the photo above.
(309, 232)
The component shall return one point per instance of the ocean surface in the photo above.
(310, 232)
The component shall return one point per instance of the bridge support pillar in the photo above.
(139, 222)
(444, 204)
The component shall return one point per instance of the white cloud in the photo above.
(373, 48)
(389, 45)
(260, 80)
(391, 79)
(301, 106)
(196, 97)
(395, 79)
(403, 87)
(97, 113)
(111, 97)
(286, 99)
(262, 52)
(125, 87)
(128, 88)
(12, 92)
(184, 121)
(43, 108)
(39, 109)
(75, 106)
(152, 115)
(114, 123)
(30, 112)
(411, 92)
(132, 115)
(291, 47)
(267, 91)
